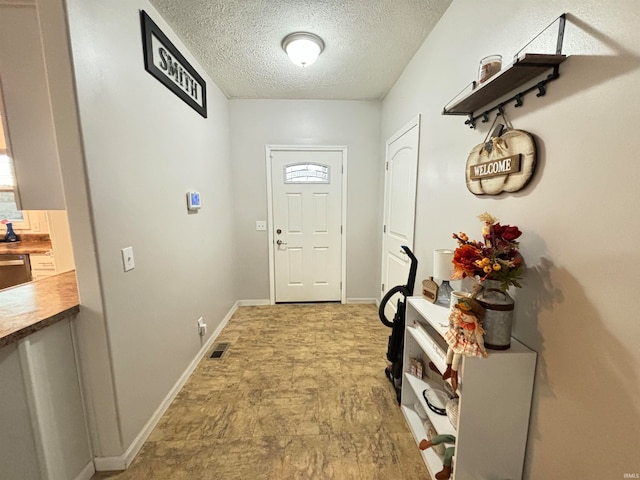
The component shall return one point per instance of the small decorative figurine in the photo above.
(430, 290)
(445, 473)
(464, 337)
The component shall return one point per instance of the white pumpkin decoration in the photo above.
(514, 148)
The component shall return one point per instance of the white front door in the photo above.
(306, 189)
(401, 170)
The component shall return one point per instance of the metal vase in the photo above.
(498, 316)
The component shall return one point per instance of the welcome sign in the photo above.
(502, 166)
(163, 60)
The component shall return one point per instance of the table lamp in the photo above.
(442, 270)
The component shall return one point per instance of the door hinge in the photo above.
(340, 229)
(386, 165)
(340, 286)
(383, 287)
(384, 229)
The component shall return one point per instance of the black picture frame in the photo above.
(163, 60)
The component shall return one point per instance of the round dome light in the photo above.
(303, 48)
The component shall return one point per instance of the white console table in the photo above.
(495, 399)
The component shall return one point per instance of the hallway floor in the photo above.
(299, 394)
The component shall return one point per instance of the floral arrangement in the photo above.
(495, 258)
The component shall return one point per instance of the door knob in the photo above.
(280, 242)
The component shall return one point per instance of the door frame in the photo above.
(415, 122)
(307, 148)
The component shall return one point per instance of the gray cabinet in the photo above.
(27, 110)
(44, 432)
(17, 441)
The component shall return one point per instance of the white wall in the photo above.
(257, 123)
(144, 148)
(576, 308)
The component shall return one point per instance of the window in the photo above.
(8, 207)
(8, 204)
(306, 173)
(8, 200)
(8, 188)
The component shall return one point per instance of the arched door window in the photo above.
(306, 173)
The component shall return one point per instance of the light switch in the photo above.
(127, 259)
(261, 225)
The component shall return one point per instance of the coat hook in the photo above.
(518, 99)
(470, 121)
(485, 117)
(542, 87)
(501, 109)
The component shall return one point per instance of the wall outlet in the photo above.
(261, 225)
(127, 259)
(202, 327)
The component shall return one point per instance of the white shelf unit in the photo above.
(495, 399)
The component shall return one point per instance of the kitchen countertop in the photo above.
(25, 247)
(27, 308)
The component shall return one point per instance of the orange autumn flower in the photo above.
(464, 260)
(496, 257)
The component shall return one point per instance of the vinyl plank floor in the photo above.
(300, 394)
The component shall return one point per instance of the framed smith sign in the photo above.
(163, 60)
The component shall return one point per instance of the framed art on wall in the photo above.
(163, 60)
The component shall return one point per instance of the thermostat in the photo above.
(193, 200)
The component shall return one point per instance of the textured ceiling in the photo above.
(367, 43)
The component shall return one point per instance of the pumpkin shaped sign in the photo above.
(505, 163)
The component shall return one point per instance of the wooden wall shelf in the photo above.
(526, 68)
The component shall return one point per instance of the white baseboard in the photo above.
(87, 472)
(261, 302)
(121, 462)
(252, 303)
(110, 464)
(353, 301)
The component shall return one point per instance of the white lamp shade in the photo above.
(303, 48)
(442, 263)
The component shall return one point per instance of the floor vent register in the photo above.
(219, 349)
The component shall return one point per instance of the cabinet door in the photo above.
(19, 458)
(42, 265)
(30, 131)
(60, 240)
(50, 370)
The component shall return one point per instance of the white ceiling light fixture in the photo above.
(303, 48)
